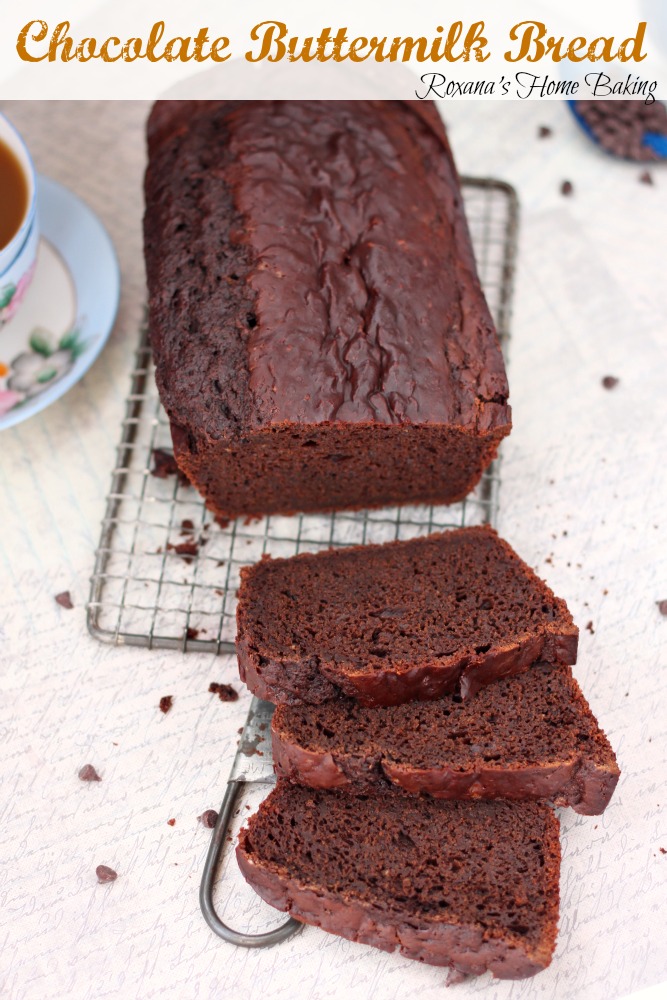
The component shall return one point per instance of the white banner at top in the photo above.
(515, 50)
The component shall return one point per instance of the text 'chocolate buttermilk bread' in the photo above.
(320, 336)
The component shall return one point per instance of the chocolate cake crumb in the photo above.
(88, 773)
(646, 178)
(566, 188)
(191, 633)
(65, 600)
(208, 818)
(166, 702)
(662, 607)
(589, 626)
(187, 526)
(225, 692)
(186, 550)
(454, 977)
(105, 874)
(171, 822)
(610, 382)
(543, 132)
(663, 851)
(164, 465)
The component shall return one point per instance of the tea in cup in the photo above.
(19, 231)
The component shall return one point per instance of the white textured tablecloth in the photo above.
(583, 499)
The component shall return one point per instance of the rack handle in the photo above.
(234, 788)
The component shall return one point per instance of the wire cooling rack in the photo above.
(166, 574)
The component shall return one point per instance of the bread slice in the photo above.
(469, 885)
(526, 737)
(398, 622)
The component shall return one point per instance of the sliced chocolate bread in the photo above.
(398, 622)
(526, 737)
(469, 885)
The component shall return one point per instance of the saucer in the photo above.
(68, 310)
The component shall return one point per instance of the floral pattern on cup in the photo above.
(12, 295)
(35, 370)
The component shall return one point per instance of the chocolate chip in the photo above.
(88, 773)
(610, 382)
(166, 701)
(662, 607)
(171, 822)
(65, 600)
(646, 178)
(105, 874)
(208, 818)
(544, 132)
(225, 692)
(566, 188)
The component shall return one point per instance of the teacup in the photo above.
(18, 251)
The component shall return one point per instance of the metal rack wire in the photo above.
(166, 574)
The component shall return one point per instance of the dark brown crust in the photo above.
(462, 948)
(314, 680)
(241, 406)
(584, 785)
(467, 948)
(285, 682)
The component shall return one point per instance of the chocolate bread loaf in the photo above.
(320, 336)
(469, 885)
(397, 622)
(526, 737)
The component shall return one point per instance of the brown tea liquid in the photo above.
(13, 195)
